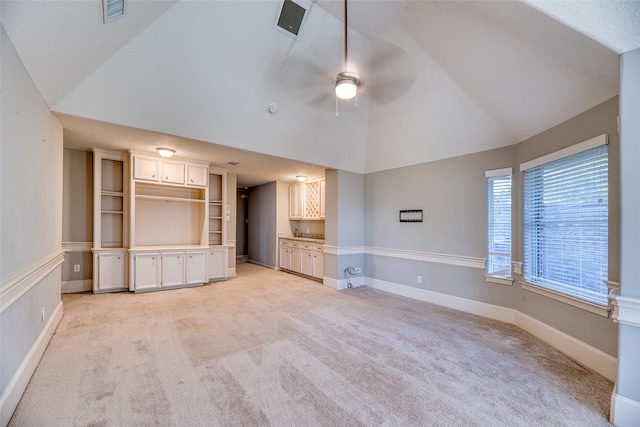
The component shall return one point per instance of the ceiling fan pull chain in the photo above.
(336, 107)
(356, 101)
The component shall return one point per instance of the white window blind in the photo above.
(566, 225)
(499, 223)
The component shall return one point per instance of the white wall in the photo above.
(30, 226)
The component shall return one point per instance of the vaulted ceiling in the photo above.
(441, 78)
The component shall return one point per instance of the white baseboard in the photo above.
(589, 356)
(340, 284)
(583, 353)
(231, 272)
(72, 286)
(625, 412)
(12, 394)
(469, 306)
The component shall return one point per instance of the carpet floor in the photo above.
(268, 348)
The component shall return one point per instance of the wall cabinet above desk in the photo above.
(146, 168)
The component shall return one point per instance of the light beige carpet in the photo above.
(270, 348)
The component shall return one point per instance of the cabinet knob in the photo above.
(153, 176)
(118, 257)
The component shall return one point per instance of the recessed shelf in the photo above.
(113, 212)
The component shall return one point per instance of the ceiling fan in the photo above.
(309, 72)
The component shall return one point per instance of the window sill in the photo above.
(499, 279)
(582, 304)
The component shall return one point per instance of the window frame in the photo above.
(494, 175)
(593, 306)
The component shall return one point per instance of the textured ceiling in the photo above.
(441, 78)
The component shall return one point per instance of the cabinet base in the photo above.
(316, 279)
(166, 288)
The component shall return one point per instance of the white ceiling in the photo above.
(441, 78)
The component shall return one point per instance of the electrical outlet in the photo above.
(358, 270)
(76, 268)
(419, 279)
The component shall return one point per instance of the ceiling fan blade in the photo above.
(392, 72)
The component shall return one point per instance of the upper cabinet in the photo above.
(306, 200)
(169, 171)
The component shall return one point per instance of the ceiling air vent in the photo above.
(290, 16)
(113, 9)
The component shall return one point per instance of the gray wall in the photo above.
(452, 195)
(262, 230)
(30, 224)
(344, 226)
(595, 330)
(77, 202)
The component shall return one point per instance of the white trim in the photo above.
(597, 360)
(343, 250)
(231, 272)
(13, 392)
(13, 288)
(585, 354)
(601, 310)
(626, 310)
(498, 172)
(500, 280)
(462, 304)
(624, 411)
(565, 152)
(77, 246)
(342, 284)
(457, 260)
(73, 286)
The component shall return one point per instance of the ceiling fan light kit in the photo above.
(346, 88)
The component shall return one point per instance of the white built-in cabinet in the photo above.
(302, 257)
(110, 214)
(307, 200)
(157, 225)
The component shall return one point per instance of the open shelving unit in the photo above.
(109, 221)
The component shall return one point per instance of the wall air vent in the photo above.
(113, 9)
(291, 15)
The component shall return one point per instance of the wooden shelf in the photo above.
(112, 193)
(113, 212)
(168, 199)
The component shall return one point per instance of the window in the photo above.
(566, 230)
(499, 223)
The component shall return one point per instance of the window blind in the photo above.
(499, 225)
(566, 225)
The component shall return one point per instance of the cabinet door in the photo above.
(172, 172)
(196, 267)
(197, 175)
(145, 168)
(294, 259)
(172, 269)
(318, 265)
(306, 262)
(217, 264)
(111, 272)
(296, 196)
(147, 271)
(284, 254)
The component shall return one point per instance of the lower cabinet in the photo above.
(302, 257)
(218, 263)
(146, 272)
(109, 270)
(196, 264)
(153, 270)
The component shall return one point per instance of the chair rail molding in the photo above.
(13, 288)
